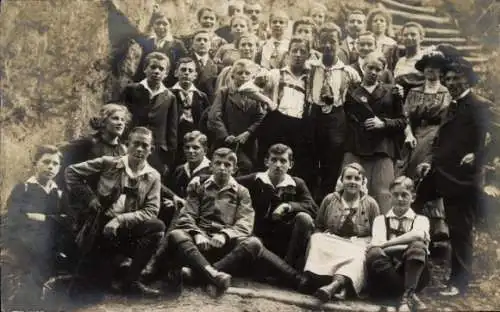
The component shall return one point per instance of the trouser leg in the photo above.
(187, 252)
(279, 268)
(415, 261)
(303, 227)
(380, 176)
(148, 235)
(246, 251)
(459, 216)
(381, 271)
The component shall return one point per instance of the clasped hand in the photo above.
(111, 228)
(280, 211)
(374, 123)
(204, 244)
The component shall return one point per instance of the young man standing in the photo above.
(206, 68)
(330, 80)
(284, 208)
(253, 9)
(153, 106)
(275, 48)
(376, 123)
(356, 23)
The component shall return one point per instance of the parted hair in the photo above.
(278, 13)
(224, 152)
(202, 11)
(244, 63)
(304, 21)
(376, 56)
(184, 60)
(317, 6)
(233, 5)
(280, 149)
(327, 29)
(246, 35)
(46, 149)
(196, 136)
(141, 130)
(242, 18)
(300, 39)
(420, 28)
(403, 181)
(157, 56)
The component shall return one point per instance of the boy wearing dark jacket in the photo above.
(284, 208)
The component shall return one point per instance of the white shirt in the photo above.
(268, 49)
(370, 88)
(187, 100)
(464, 94)
(159, 43)
(119, 205)
(202, 59)
(287, 181)
(48, 188)
(205, 163)
(292, 101)
(379, 231)
(406, 65)
(152, 93)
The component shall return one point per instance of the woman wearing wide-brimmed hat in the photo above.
(426, 108)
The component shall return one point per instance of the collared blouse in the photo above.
(333, 212)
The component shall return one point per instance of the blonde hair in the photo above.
(99, 122)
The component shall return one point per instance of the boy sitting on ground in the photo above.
(398, 254)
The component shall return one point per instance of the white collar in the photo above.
(307, 68)
(350, 39)
(361, 62)
(409, 214)
(232, 184)
(192, 88)
(464, 94)
(168, 38)
(145, 170)
(202, 58)
(152, 93)
(370, 88)
(355, 204)
(287, 181)
(319, 63)
(50, 185)
(205, 163)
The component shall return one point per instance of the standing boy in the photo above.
(153, 106)
(398, 256)
(356, 24)
(234, 116)
(376, 123)
(274, 49)
(205, 67)
(191, 102)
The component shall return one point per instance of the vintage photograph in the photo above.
(250, 155)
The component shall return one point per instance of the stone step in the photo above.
(452, 40)
(401, 18)
(407, 7)
(430, 31)
(477, 59)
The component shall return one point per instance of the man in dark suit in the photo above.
(153, 106)
(356, 24)
(191, 102)
(453, 169)
(205, 67)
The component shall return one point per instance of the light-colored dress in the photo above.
(329, 252)
(425, 107)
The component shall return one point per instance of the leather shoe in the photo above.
(139, 289)
(220, 282)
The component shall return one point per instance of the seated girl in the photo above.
(336, 256)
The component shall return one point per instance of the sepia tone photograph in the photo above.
(250, 155)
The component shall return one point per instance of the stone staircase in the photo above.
(440, 28)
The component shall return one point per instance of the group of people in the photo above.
(296, 155)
